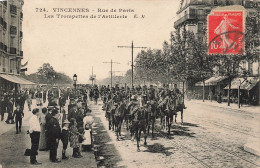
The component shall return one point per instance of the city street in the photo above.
(210, 137)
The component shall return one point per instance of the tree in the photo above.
(47, 75)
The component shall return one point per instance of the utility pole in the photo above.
(111, 69)
(132, 65)
(92, 76)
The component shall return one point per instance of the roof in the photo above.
(246, 83)
(16, 79)
(212, 81)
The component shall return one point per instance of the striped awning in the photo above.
(16, 79)
(246, 83)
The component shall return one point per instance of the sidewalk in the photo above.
(12, 147)
(246, 108)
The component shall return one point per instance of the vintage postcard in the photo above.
(129, 83)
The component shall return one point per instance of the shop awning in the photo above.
(246, 84)
(212, 81)
(16, 79)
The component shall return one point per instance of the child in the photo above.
(65, 138)
(18, 114)
(81, 139)
(74, 138)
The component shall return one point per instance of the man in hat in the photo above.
(54, 135)
(72, 112)
(34, 132)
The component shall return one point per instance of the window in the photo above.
(12, 42)
(200, 27)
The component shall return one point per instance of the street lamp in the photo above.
(75, 80)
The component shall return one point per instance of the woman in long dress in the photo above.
(43, 140)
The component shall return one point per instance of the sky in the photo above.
(74, 46)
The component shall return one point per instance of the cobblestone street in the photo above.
(210, 137)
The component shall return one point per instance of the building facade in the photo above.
(192, 16)
(11, 53)
(11, 36)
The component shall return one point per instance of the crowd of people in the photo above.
(51, 121)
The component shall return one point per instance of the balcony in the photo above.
(4, 24)
(189, 17)
(12, 50)
(13, 30)
(21, 34)
(13, 9)
(21, 53)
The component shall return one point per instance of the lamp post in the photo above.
(75, 80)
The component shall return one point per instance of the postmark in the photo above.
(226, 32)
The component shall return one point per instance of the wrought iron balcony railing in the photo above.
(189, 17)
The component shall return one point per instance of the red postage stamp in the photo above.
(226, 32)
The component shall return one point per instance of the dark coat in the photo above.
(18, 114)
(72, 114)
(54, 130)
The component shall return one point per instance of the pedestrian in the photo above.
(65, 138)
(44, 95)
(47, 119)
(73, 112)
(74, 138)
(29, 100)
(54, 135)
(34, 132)
(38, 98)
(10, 117)
(43, 140)
(2, 107)
(64, 114)
(18, 115)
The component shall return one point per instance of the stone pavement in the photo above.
(247, 108)
(209, 137)
(253, 144)
(12, 147)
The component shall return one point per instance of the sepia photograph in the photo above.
(129, 83)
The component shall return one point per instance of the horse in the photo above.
(179, 106)
(167, 111)
(139, 124)
(119, 116)
(151, 116)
